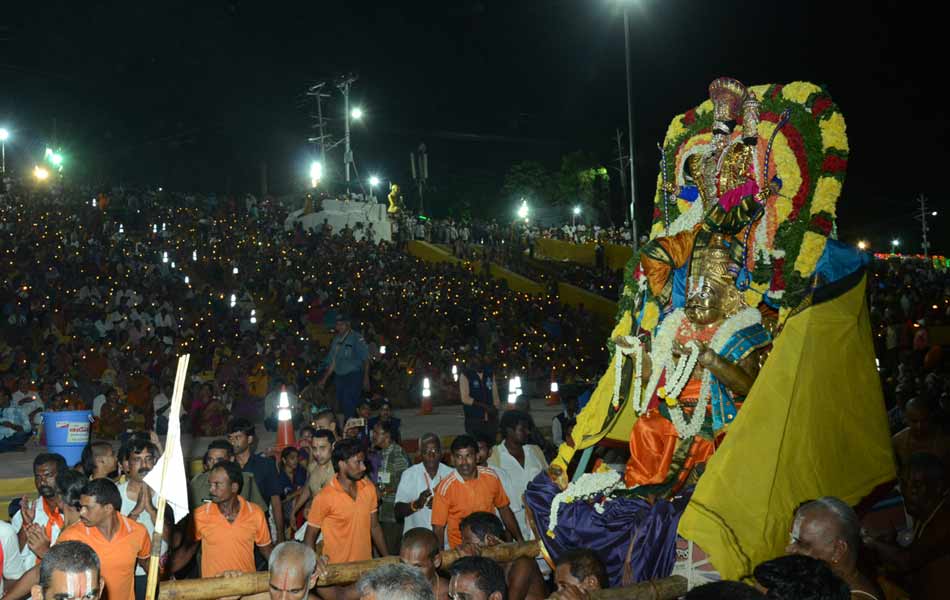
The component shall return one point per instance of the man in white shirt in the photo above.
(14, 424)
(520, 461)
(10, 547)
(28, 401)
(138, 457)
(414, 494)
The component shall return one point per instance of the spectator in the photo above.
(138, 503)
(98, 460)
(14, 424)
(43, 512)
(348, 359)
(242, 436)
(414, 493)
(199, 488)
(519, 460)
(393, 462)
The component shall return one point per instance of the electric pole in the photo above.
(621, 164)
(922, 214)
(318, 94)
(420, 172)
(344, 86)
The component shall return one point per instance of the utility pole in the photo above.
(420, 172)
(922, 214)
(621, 164)
(317, 92)
(344, 86)
(633, 176)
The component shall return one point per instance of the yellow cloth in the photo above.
(813, 425)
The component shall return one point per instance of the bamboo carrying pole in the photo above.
(338, 574)
(171, 442)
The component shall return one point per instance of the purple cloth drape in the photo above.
(626, 521)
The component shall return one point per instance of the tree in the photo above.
(529, 179)
(583, 180)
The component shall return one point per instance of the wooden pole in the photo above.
(171, 442)
(338, 574)
(667, 588)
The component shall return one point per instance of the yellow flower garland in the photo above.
(813, 244)
(833, 132)
(826, 195)
(799, 91)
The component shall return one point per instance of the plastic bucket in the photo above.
(67, 433)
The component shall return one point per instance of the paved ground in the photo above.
(444, 420)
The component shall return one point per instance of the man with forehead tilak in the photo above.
(69, 571)
(294, 569)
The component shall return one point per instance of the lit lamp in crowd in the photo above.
(121, 228)
(234, 271)
(165, 257)
(285, 426)
(253, 316)
(862, 245)
(299, 299)
(554, 398)
(194, 255)
(187, 280)
(514, 389)
(316, 173)
(426, 397)
(455, 373)
(94, 203)
(173, 264)
(154, 228)
(382, 350)
(233, 300)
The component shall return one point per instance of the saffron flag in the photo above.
(814, 424)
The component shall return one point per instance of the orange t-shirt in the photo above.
(117, 557)
(346, 523)
(454, 499)
(230, 546)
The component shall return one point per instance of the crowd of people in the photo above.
(100, 298)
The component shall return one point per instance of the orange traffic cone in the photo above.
(554, 398)
(426, 397)
(285, 423)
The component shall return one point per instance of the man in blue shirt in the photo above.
(14, 424)
(348, 359)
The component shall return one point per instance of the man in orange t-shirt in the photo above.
(120, 542)
(345, 509)
(469, 489)
(229, 526)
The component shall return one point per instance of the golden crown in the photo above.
(727, 95)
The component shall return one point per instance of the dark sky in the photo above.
(197, 94)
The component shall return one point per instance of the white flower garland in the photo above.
(636, 386)
(589, 486)
(680, 371)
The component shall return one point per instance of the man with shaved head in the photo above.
(420, 549)
(294, 569)
(829, 530)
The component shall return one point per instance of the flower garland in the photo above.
(588, 487)
(634, 347)
(680, 371)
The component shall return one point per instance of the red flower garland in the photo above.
(820, 105)
(834, 164)
(821, 225)
(778, 275)
(690, 117)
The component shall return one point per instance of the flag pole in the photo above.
(171, 442)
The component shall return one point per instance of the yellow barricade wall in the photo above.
(575, 296)
(616, 256)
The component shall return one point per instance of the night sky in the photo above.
(195, 95)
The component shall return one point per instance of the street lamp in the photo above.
(895, 243)
(4, 136)
(357, 113)
(523, 210)
(574, 214)
(373, 182)
(862, 245)
(316, 173)
(40, 173)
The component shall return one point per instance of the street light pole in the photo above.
(633, 178)
(4, 136)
